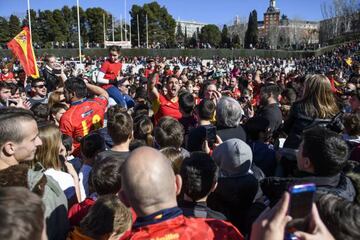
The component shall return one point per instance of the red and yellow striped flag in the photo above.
(21, 46)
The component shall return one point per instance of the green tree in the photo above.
(160, 23)
(34, 25)
(14, 26)
(225, 39)
(69, 22)
(84, 26)
(251, 35)
(4, 30)
(95, 23)
(210, 34)
(61, 31)
(236, 43)
(179, 35)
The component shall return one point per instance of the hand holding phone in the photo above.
(301, 202)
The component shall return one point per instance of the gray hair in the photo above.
(228, 112)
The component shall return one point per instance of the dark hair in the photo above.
(199, 174)
(352, 124)
(270, 89)
(120, 125)
(326, 150)
(67, 141)
(340, 216)
(57, 107)
(186, 102)
(143, 129)
(108, 215)
(22, 214)
(36, 81)
(77, 86)
(10, 127)
(41, 111)
(254, 126)
(290, 94)
(91, 145)
(21, 171)
(206, 109)
(114, 49)
(175, 156)
(4, 85)
(47, 57)
(13, 88)
(169, 133)
(106, 176)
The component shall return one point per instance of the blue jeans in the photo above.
(115, 94)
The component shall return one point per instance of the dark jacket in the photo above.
(199, 210)
(229, 133)
(234, 196)
(339, 185)
(273, 114)
(297, 122)
(51, 80)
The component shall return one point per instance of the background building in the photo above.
(190, 27)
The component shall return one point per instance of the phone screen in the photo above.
(211, 135)
(301, 200)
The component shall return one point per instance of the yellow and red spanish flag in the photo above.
(21, 46)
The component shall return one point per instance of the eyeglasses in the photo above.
(40, 86)
(126, 86)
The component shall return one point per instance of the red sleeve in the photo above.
(65, 126)
(104, 67)
(224, 230)
(102, 101)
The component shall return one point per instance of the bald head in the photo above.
(148, 181)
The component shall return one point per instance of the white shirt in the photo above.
(65, 181)
(84, 181)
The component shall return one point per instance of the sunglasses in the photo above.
(40, 86)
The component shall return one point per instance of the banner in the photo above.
(21, 46)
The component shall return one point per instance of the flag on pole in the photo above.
(21, 46)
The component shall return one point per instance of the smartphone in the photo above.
(10, 102)
(301, 201)
(56, 71)
(211, 135)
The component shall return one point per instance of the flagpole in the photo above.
(112, 18)
(130, 32)
(121, 28)
(147, 32)
(125, 21)
(104, 30)
(138, 31)
(29, 16)
(79, 35)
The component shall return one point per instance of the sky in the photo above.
(204, 11)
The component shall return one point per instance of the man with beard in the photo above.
(84, 115)
(165, 105)
(269, 107)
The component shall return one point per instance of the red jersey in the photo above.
(183, 228)
(149, 71)
(4, 77)
(82, 117)
(111, 71)
(79, 210)
(165, 107)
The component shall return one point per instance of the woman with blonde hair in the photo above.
(317, 106)
(51, 156)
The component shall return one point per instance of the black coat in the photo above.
(297, 122)
(234, 196)
(339, 185)
(51, 80)
(229, 133)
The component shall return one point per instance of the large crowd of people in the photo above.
(180, 148)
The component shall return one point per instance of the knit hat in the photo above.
(234, 158)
